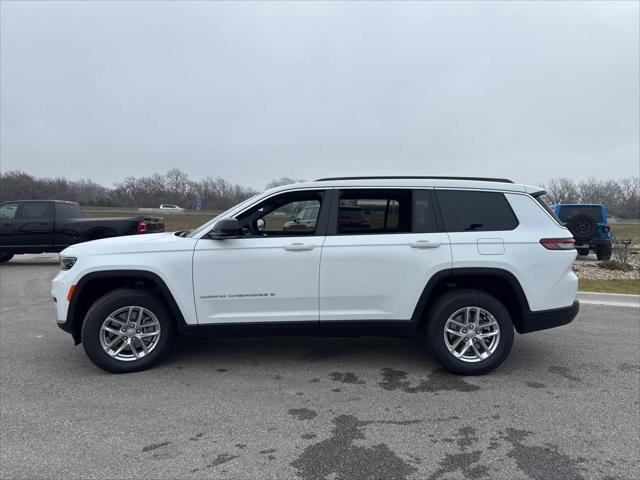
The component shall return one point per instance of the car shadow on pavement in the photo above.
(189, 350)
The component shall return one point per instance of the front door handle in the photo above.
(298, 246)
(424, 244)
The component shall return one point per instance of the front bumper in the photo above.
(544, 319)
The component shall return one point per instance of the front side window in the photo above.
(8, 211)
(288, 214)
(374, 211)
(475, 211)
(32, 210)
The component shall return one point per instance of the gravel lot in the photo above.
(589, 267)
(565, 405)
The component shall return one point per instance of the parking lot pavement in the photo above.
(565, 405)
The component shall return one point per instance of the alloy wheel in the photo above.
(471, 334)
(130, 333)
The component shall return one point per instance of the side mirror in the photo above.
(260, 224)
(225, 228)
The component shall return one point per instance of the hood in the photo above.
(150, 242)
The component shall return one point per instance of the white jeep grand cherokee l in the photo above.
(460, 262)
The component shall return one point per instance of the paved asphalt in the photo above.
(565, 405)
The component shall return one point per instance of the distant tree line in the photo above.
(150, 191)
(621, 197)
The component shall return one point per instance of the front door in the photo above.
(8, 213)
(270, 272)
(33, 226)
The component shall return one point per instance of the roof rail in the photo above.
(409, 177)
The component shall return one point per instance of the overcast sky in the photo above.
(256, 91)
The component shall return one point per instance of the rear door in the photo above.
(63, 234)
(33, 226)
(382, 247)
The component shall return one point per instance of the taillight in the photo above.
(142, 227)
(558, 243)
(606, 229)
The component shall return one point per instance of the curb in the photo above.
(611, 299)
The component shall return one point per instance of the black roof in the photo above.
(409, 177)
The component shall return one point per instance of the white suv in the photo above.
(460, 262)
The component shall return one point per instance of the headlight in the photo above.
(67, 262)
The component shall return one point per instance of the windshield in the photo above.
(205, 226)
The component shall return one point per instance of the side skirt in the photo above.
(355, 328)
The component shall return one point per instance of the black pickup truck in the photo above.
(38, 226)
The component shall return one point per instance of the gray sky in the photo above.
(255, 91)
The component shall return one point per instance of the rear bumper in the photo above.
(594, 242)
(544, 319)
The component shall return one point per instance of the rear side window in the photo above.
(34, 210)
(68, 210)
(566, 213)
(424, 218)
(470, 211)
(374, 211)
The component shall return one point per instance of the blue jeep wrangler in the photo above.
(588, 224)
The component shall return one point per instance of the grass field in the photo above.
(172, 221)
(626, 231)
(610, 286)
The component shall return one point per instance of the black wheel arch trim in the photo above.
(524, 319)
(73, 324)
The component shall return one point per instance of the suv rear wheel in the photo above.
(470, 332)
(5, 257)
(126, 330)
(603, 252)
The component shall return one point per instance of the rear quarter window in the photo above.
(475, 211)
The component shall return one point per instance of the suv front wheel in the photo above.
(126, 330)
(469, 331)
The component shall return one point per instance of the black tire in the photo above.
(5, 257)
(603, 252)
(446, 306)
(110, 303)
(583, 251)
(582, 227)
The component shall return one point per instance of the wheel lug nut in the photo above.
(464, 331)
(478, 332)
(132, 325)
(138, 331)
(124, 330)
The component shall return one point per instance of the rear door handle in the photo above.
(298, 246)
(424, 244)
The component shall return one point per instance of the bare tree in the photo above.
(562, 190)
(622, 198)
(282, 181)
